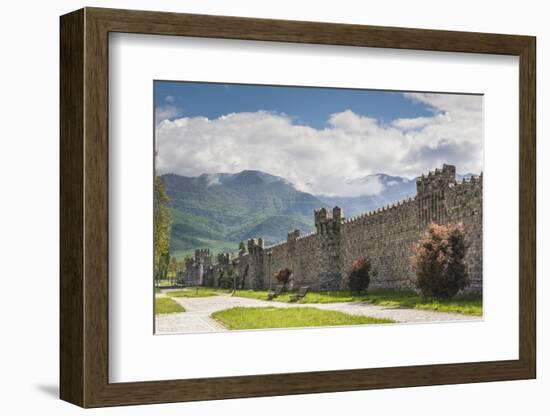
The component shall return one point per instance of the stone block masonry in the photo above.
(386, 236)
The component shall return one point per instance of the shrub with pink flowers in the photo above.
(438, 261)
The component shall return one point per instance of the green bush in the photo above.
(438, 261)
(359, 275)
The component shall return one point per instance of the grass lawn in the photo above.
(167, 305)
(257, 318)
(260, 294)
(466, 304)
(194, 292)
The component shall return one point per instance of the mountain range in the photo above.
(219, 210)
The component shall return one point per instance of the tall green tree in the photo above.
(174, 267)
(162, 228)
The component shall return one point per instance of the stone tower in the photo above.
(196, 267)
(328, 221)
(256, 264)
(202, 255)
(430, 195)
(328, 224)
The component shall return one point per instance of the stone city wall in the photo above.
(386, 236)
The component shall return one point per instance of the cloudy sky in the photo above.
(322, 140)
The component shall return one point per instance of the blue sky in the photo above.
(324, 140)
(306, 106)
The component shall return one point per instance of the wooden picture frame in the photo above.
(84, 207)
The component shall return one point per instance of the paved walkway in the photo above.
(197, 319)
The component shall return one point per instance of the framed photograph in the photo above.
(255, 207)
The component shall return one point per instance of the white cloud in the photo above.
(332, 160)
(370, 185)
(167, 111)
(170, 110)
(414, 123)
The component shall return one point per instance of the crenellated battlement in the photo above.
(293, 235)
(202, 253)
(436, 180)
(224, 258)
(307, 235)
(255, 246)
(391, 208)
(472, 180)
(328, 221)
(197, 266)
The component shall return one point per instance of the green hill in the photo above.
(220, 210)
